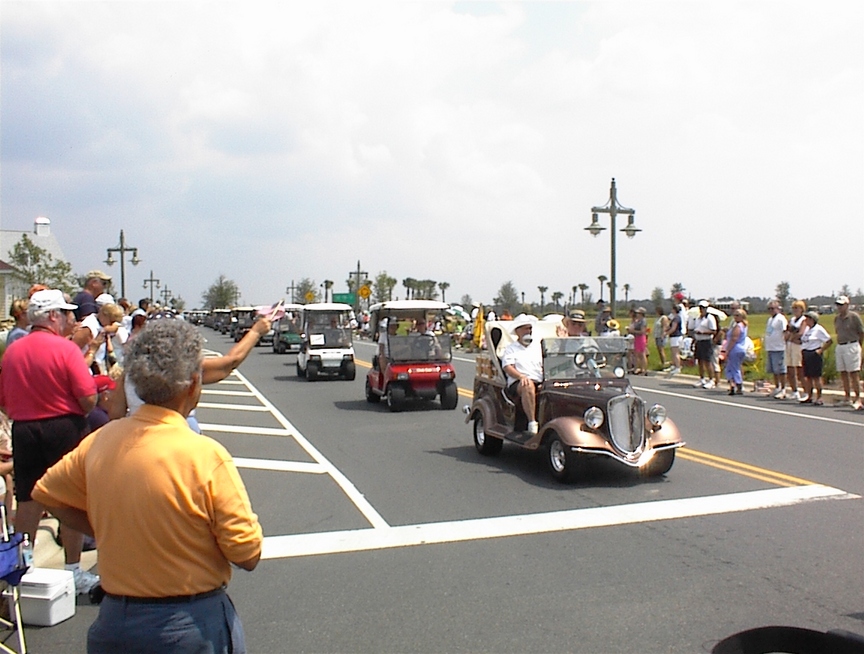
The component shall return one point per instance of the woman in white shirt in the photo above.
(814, 342)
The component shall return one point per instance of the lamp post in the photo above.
(150, 281)
(166, 295)
(613, 208)
(122, 249)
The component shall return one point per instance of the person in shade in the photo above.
(167, 507)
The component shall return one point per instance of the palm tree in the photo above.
(557, 295)
(542, 290)
(602, 279)
(443, 286)
(409, 283)
(583, 288)
(626, 288)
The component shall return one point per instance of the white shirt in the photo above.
(528, 361)
(704, 327)
(814, 338)
(774, 329)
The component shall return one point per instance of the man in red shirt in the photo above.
(47, 390)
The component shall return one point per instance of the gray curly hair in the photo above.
(161, 360)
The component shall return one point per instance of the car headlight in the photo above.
(402, 376)
(657, 415)
(446, 375)
(594, 417)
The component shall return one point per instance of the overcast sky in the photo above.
(462, 142)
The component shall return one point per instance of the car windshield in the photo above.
(420, 347)
(582, 357)
(328, 329)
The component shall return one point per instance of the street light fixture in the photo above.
(613, 208)
(122, 249)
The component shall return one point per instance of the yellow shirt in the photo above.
(167, 506)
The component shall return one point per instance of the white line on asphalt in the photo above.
(243, 429)
(233, 407)
(359, 540)
(345, 484)
(207, 391)
(279, 465)
(793, 414)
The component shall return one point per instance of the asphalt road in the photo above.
(387, 532)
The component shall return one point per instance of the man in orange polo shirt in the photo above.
(166, 505)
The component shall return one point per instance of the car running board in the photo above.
(520, 437)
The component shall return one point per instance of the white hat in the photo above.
(704, 304)
(842, 300)
(521, 320)
(50, 300)
(105, 298)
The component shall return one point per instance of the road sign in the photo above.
(310, 296)
(345, 298)
(365, 292)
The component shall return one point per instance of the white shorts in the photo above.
(793, 355)
(848, 357)
(675, 341)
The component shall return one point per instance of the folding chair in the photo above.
(12, 569)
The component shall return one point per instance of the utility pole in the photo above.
(291, 290)
(360, 275)
(122, 249)
(150, 281)
(166, 295)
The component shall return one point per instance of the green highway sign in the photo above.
(344, 298)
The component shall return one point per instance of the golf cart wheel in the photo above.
(371, 396)
(486, 445)
(349, 370)
(311, 371)
(449, 396)
(395, 397)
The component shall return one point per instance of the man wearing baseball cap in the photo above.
(850, 336)
(94, 286)
(47, 390)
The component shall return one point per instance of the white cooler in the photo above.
(47, 596)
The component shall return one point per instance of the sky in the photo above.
(463, 142)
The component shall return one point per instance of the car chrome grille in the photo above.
(626, 416)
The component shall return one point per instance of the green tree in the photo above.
(556, 296)
(410, 285)
(382, 287)
(178, 304)
(466, 301)
(305, 287)
(657, 297)
(782, 293)
(677, 287)
(542, 290)
(426, 289)
(508, 298)
(626, 288)
(223, 294)
(443, 286)
(35, 265)
(583, 288)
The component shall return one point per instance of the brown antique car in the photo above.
(586, 406)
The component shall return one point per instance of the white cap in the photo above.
(105, 298)
(50, 300)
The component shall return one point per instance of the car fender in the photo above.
(667, 435)
(485, 408)
(571, 431)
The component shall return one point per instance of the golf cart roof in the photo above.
(328, 306)
(408, 305)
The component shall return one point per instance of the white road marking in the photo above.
(243, 429)
(359, 540)
(793, 414)
(207, 391)
(344, 483)
(280, 466)
(233, 407)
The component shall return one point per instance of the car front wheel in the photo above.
(659, 464)
(371, 396)
(486, 445)
(395, 398)
(349, 370)
(311, 371)
(563, 463)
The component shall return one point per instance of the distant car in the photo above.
(586, 406)
(419, 364)
(286, 330)
(327, 348)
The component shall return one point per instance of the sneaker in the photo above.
(804, 398)
(673, 371)
(781, 395)
(700, 383)
(857, 405)
(84, 580)
(533, 427)
(709, 384)
(795, 396)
